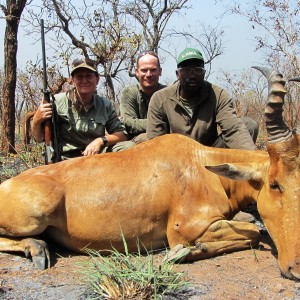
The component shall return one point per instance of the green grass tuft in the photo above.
(129, 276)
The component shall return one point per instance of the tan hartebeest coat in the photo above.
(163, 191)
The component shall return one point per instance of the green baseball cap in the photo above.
(189, 53)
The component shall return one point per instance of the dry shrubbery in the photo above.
(13, 164)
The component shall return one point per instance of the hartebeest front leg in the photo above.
(37, 249)
(221, 237)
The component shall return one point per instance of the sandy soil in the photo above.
(250, 274)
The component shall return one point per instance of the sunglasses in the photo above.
(189, 70)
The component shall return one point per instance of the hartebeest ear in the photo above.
(237, 171)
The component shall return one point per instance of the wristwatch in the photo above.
(104, 139)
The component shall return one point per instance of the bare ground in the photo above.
(250, 274)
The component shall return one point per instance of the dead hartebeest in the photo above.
(169, 190)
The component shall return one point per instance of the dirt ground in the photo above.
(250, 274)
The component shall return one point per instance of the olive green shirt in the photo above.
(167, 114)
(133, 109)
(78, 129)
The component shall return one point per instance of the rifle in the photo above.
(52, 149)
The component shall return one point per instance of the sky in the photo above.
(238, 41)
(239, 38)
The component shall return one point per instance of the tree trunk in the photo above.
(13, 12)
(110, 91)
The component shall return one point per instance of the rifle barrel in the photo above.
(48, 124)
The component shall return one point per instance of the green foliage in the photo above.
(129, 276)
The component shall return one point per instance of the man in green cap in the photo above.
(196, 108)
(87, 123)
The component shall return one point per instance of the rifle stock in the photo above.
(52, 149)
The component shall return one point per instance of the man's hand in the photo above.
(43, 113)
(93, 148)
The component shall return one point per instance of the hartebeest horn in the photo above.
(295, 79)
(277, 130)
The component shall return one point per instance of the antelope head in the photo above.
(279, 199)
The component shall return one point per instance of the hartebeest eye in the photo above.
(275, 186)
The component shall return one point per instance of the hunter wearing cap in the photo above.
(87, 123)
(196, 108)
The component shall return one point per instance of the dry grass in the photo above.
(130, 276)
(13, 164)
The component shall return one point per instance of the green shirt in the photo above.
(134, 107)
(78, 129)
(167, 114)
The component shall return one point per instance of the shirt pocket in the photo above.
(96, 126)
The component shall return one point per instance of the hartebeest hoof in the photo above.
(38, 251)
(177, 254)
(201, 246)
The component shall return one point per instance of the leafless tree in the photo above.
(152, 19)
(277, 35)
(112, 32)
(12, 12)
(248, 89)
(207, 38)
(276, 24)
(97, 31)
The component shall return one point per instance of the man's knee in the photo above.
(142, 137)
(121, 146)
